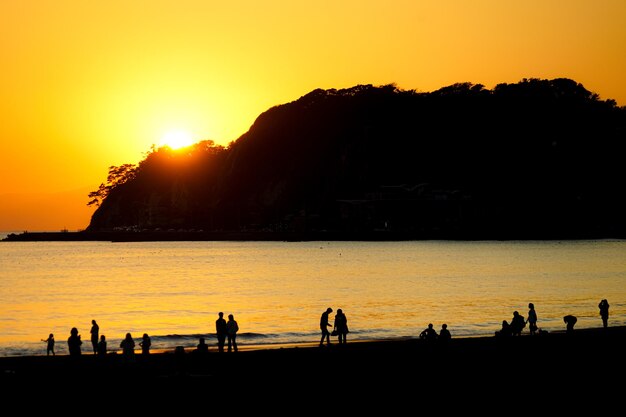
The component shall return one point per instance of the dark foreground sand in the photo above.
(555, 369)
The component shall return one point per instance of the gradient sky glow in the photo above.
(89, 84)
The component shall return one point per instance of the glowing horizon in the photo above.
(87, 86)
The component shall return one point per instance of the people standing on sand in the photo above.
(220, 331)
(444, 334)
(95, 330)
(341, 326)
(532, 319)
(145, 344)
(517, 324)
(231, 332)
(604, 312)
(324, 324)
(429, 333)
(49, 344)
(74, 342)
(102, 346)
(570, 321)
(128, 348)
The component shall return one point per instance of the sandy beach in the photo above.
(587, 365)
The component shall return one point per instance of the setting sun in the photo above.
(176, 139)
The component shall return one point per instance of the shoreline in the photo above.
(554, 358)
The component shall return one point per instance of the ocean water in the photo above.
(278, 290)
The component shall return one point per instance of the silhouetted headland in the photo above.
(535, 159)
(538, 159)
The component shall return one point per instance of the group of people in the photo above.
(340, 326)
(518, 323)
(99, 343)
(430, 334)
(226, 332)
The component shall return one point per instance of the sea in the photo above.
(277, 291)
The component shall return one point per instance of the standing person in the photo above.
(532, 319)
(145, 344)
(231, 331)
(74, 342)
(604, 312)
(220, 331)
(128, 348)
(324, 324)
(102, 346)
(341, 326)
(49, 344)
(95, 330)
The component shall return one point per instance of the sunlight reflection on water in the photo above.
(277, 290)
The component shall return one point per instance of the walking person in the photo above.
(231, 332)
(220, 331)
(324, 324)
(604, 312)
(145, 344)
(532, 319)
(49, 344)
(341, 326)
(74, 342)
(95, 330)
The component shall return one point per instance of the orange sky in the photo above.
(85, 85)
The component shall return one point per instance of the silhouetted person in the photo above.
(570, 321)
(517, 324)
(604, 312)
(202, 347)
(505, 331)
(220, 330)
(231, 332)
(145, 344)
(532, 319)
(444, 334)
(180, 359)
(102, 346)
(429, 333)
(324, 324)
(95, 330)
(74, 342)
(49, 344)
(128, 348)
(341, 326)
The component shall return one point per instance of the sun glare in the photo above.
(176, 139)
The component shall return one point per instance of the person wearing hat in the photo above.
(324, 326)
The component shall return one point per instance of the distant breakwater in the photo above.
(375, 236)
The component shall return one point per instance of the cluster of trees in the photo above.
(538, 156)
